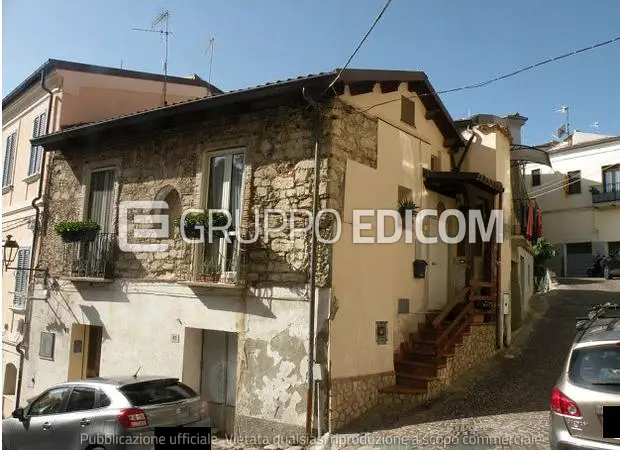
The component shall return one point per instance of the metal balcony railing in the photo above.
(609, 192)
(90, 259)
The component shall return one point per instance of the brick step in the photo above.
(438, 361)
(482, 298)
(413, 381)
(425, 347)
(417, 368)
(431, 334)
(395, 389)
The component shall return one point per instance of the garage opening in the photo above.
(578, 258)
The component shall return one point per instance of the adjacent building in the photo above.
(57, 95)
(287, 332)
(579, 196)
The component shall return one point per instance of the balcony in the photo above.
(90, 261)
(217, 265)
(606, 193)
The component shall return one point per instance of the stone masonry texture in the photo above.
(279, 170)
(352, 397)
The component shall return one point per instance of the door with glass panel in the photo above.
(611, 178)
(224, 192)
(96, 255)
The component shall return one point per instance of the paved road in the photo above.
(506, 404)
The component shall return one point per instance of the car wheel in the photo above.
(607, 273)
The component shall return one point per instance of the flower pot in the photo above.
(88, 236)
(210, 278)
(70, 237)
(79, 236)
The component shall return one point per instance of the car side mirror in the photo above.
(19, 414)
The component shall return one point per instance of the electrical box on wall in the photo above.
(175, 338)
(419, 268)
(317, 372)
(506, 305)
(381, 333)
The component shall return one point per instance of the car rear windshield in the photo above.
(158, 391)
(595, 366)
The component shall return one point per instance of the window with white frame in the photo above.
(36, 151)
(21, 278)
(224, 192)
(9, 159)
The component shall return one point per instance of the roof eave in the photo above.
(52, 64)
(348, 76)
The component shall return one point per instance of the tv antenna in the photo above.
(564, 130)
(161, 19)
(210, 46)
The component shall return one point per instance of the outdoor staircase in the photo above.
(427, 351)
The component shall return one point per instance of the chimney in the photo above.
(514, 123)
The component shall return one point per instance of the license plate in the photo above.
(183, 411)
(611, 422)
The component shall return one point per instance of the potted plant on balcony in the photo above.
(210, 271)
(405, 205)
(78, 231)
(192, 220)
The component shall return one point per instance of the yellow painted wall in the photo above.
(368, 279)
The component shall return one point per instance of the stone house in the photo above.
(56, 95)
(355, 322)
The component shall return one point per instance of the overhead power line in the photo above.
(376, 21)
(507, 75)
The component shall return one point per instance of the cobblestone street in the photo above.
(505, 404)
(502, 405)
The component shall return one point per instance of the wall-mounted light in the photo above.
(10, 248)
(9, 251)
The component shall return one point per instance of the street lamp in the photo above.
(9, 251)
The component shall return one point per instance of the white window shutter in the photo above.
(9, 160)
(42, 124)
(21, 278)
(36, 152)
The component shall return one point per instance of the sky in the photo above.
(257, 41)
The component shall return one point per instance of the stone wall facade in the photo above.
(477, 346)
(352, 397)
(269, 315)
(279, 166)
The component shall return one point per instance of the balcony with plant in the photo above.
(216, 259)
(87, 252)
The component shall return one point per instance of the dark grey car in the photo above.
(104, 413)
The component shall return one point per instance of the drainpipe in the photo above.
(498, 285)
(20, 346)
(313, 248)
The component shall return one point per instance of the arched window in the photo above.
(10, 379)
(171, 196)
